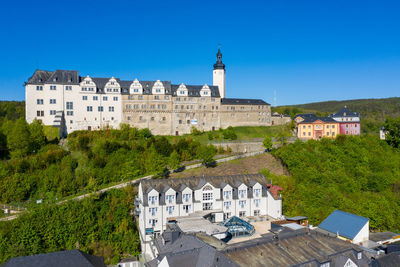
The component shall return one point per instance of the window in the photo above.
(187, 208)
(242, 214)
(39, 101)
(186, 197)
(153, 199)
(242, 193)
(153, 211)
(39, 88)
(40, 113)
(140, 118)
(227, 194)
(166, 97)
(188, 121)
(304, 133)
(95, 98)
(70, 105)
(156, 97)
(109, 90)
(257, 202)
(116, 90)
(327, 134)
(111, 109)
(52, 112)
(309, 133)
(227, 205)
(68, 88)
(152, 118)
(208, 206)
(105, 98)
(257, 213)
(70, 113)
(129, 118)
(327, 126)
(309, 126)
(115, 98)
(87, 82)
(257, 192)
(333, 126)
(100, 108)
(84, 97)
(91, 89)
(180, 121)
(326, 264)
(135, 90)
(333, 133)
(52, 101)
(152, 106)
(89, 108)
(53, 87)
(207, 196)
(170, 209)
(169, 198)
(140, 97)
(242, 203)
(136, 106)
(359, 255)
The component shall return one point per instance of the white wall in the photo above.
(363, 235)
(219, 80)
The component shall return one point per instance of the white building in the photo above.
(238, 195)
(63, 98)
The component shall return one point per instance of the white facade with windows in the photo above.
(238, 195)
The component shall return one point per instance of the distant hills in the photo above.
(373, 111)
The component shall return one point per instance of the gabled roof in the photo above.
(194, 90)
(345, 112)
(242, 101)
(343, 223)
(65, 258)
(311, 119)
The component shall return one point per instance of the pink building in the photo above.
(349, 121)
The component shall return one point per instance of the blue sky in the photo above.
(307, 51)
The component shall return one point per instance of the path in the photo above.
(137, 181)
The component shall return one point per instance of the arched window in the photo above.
(207, 188)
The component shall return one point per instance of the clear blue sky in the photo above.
(306, 50)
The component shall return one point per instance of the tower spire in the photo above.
(219, 65)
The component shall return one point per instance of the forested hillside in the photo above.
(359, 174)
(101, 225)
(373, 111)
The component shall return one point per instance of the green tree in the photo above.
(229, 133)
(206, 153)
(392, 127)
(18, 140)
(267, 142)
(38, 139)
(174, 160)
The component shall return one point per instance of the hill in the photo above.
(357, 174)
(373, 111)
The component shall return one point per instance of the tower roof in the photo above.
(219, 65)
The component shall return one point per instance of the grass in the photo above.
(244, 133)
(51, 132)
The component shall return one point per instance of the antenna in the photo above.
(274, 98)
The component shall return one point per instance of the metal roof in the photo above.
(242, 101)
(343, 223)
(60, 258)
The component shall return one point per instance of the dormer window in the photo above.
(54, 79)
(182, 92)
(87, 82)
(169, 198)
(112, 83)
(325, 264)
(359, 255)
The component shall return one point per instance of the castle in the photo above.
(64, 99)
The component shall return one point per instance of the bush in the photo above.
(195, 131)
(229, 133)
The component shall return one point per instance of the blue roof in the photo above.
(343, 223)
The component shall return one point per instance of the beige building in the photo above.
(71, 102)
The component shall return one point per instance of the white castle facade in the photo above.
(64, 99)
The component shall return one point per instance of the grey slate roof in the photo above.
(242, 101)
(194, 90)
(345, 112)
(392, 260)
(195, 183)
(313, 119)
(39, 77)
(65, 258)
(345, 224)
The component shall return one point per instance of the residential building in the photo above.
(65, 258)
(72, 102)
(349, 121)
(382, 133)
(221, 197)
(347, 226)
(312, 127)
(302, 247)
